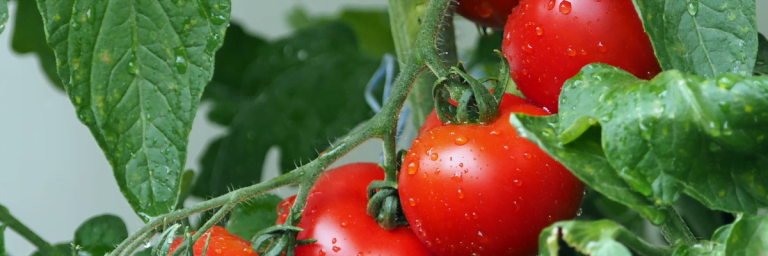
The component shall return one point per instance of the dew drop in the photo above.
(461, 164)
(551, 5)
(461, 194)
(539, 30)
(425, 175)
(518, 182)
(474, 215)
(602, 47)
(565, 7)
(344, 224)
(412, 202)
(495, 132)
(437, 171)
(180, 60)
(583, 52)
(457, 177)
(433, 157)
(336, 249)
(413, 167)
(528, 48)
(579, 212)
(461, 140)
(517, 206)
(527, 155)
(333, 241)
(321, 252)
(571, 52)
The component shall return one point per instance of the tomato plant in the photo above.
(547, 42)
(489, 13)
(335, 216)
(657, 108)
(482, 189)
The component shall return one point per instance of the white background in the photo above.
(53, 176)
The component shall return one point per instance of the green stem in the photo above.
(13, 223)
(208, 225)
(628, 238)
(675, 231)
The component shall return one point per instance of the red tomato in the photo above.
(489, 13)
(335, 216)
(221, 243)
(482, 189)
(548, 41)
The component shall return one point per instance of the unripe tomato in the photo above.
(548, 41)
(489, 13)
(482, 189)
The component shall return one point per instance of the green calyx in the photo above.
(384, 204)
(476, 103)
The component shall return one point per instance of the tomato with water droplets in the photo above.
(488, 191)
(489, 13)
(221, 243)
(552, 40)
(335, 216)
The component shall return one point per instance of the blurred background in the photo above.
(53, 175)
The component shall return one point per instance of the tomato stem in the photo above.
(644, 248)
(675, 231)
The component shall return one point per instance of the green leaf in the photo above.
(250, 217)
(3, 14)
(703, 37)
(761, 64)
(29, 37)
(63, 248)
(2, 240)
(186, 187)
(99, 235)
(307, 79)
(596, 238)
(748, 236)
(676, 133)
(586, 160)
(135, 71)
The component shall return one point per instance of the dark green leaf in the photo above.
(586, 159)
(761, 64)
(135, 71)
(702, 248)
(703, 37)
(701, 220)
(596, 238)
(2, 240)
(675, 133)
(371, 26)
(29, 37)
(249, 217)
(186, 187)
(99, 235)
(748, 236)
(3, 14)
(308, 79)
(64, 248)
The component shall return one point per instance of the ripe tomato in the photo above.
(221, 243)
(489, 13)
(548, 41)
(335, 216)
(482, 189)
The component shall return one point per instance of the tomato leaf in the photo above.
(676, 133)
(748, 236)
(703, 37)
(761, 64)
(29, 37)
(370, 25)
(586, 159)
(250, 217)
(134, 71)
(99, 235)
(596, 238)
(305, 81)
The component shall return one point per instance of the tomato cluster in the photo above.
(480, 189)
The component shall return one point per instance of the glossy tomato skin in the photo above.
(222, 243)
(482, 190)
(335, 216)
(489, 13)
(546, 42)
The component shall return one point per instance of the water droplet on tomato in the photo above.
(461, 164)
(479, 233)
(571, 52)
(413, 167)
(461, 140)
(539, 30)
(474, 215)
(425, 175)
(565, 7)
(528, 48)
(461, 194)
(586, 192)
(517, 206)
(482, 148)
(457, 177)
(360, 254)
(344, 224)
(433, 157)
(412, 202)
(525, 72)
(466, 215)
(602, 47)
(527, 155)
(518, 182)
(437, 171)
(589, 23)
(514, 75)
(579, 212)
(495, 132)
(333, 241)
(415, 142)
(583, 52)
(576, 18)
(321, 252)
(551, 5)
(336, 249)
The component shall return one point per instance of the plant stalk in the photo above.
(675, 231)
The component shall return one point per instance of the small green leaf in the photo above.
(586, 159)
(64, 248)
(135, 71)
(703, 37)
(761, 64)
(676, 133)
(99, 235)
(748, 236)
(29, 37)
(307, 80)
(596, 238)
(249, 217)
(3, 14)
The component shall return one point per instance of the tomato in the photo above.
(482, 189)
(335, 216)
(507, 101)
(221, 243)
(548, 41)
(489, 13)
